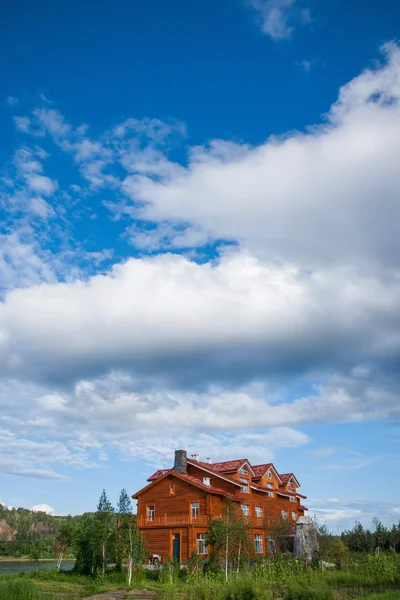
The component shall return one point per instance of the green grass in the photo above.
(283, 579)
(384, 596)
(20, 589)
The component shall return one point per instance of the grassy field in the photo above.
(368, 578)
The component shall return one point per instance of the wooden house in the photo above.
(174, 509)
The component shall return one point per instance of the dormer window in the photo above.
(243, 470)
(206, 481)
(270, 486)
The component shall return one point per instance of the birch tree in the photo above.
(105, 522)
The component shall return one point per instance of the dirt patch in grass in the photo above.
(124, 595)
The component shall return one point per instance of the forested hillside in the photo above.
(27, 533)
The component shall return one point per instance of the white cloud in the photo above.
(22, 124)
(12, 101)
(325, 197)
(20, 264)
(278, 18)
(306, 65)
(46, 508)
(41, 184)
(51, 121)
(41, 208)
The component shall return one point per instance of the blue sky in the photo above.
(199, 248)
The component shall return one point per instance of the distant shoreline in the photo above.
(27, 559)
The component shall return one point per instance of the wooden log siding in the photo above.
(173, 512)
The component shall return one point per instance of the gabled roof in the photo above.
(260, 471)
(208, 468)
(231, 466)
(286, 477)
(188, 478)
(157, 474)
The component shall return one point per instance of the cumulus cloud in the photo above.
(309, 288)
(343, 512)
(46, 508)
(328, 196)
(167, 316)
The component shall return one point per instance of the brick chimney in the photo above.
(180, 464)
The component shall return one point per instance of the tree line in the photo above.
(380, 538)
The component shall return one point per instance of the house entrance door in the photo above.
(176, 546)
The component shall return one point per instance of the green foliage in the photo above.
(338, 552)
(85, 545)
(104, 530)
(363, 540)
(229, 537)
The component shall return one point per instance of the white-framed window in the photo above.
(270, 494)
(269, 474)
(294, 516)
(195, 509)
(258, 543)
(258, 510)
(244, 480)
(270, 486)
(207, 481)
(150, 512)
(244, 488)
(201, 543)
(243, 470)
(284, 514)
(245, 510)
(271, 544)
(292, 499)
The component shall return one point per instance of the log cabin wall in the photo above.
(172, 498)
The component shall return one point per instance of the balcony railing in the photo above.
(173, 520)
(200, 520)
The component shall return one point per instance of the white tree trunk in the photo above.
(238, 563)
(226, 557)
(60, 557)
(130, 563)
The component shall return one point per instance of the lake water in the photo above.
(30, 565)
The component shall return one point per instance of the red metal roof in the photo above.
(193, 480)
(285, 477)
(260, 470)
(229, 466)
(209, 488)
(157, 474)
(208, 468)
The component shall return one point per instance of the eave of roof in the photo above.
(231, 466)
(208, 469)
(188, 478)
